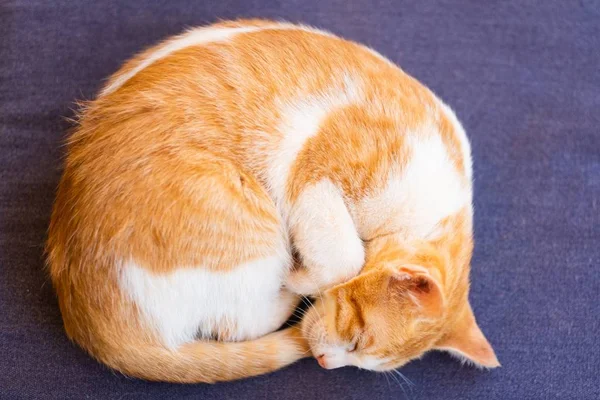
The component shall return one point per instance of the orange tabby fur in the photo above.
(396, 310)
(168, 168)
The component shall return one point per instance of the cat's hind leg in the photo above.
(209, 257)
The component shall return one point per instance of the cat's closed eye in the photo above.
(352, 346)
(357, 343)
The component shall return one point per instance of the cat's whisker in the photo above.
(399, 384)
(408, 381)
(306, 302)
(319, 291)
(395, 379)
(308, 306)
(314, 318)
(299, 313)
(387, 379)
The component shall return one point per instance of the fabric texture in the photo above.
(524, 78)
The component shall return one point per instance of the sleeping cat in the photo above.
(226, 172)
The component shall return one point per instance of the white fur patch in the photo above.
(417, 197)
(192, 302)
(300, 120)
(460, 133)
(197, 37)
(337, 356)
(372, 363)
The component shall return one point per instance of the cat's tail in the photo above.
(212, 361)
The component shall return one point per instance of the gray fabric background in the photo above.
(523, 76)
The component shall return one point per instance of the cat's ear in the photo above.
(467, 342)
(421, 287)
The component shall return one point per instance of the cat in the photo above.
(224, 173)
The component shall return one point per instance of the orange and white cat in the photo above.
(210, 163)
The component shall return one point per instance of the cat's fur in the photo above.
(209, 160)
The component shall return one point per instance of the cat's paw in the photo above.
(300, 282)
(310, 282)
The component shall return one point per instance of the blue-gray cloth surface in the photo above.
(524, 78)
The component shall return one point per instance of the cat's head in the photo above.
(391, 314)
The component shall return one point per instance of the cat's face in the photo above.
(373, 321)
(386, 317)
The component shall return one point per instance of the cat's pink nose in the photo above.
(321, 361)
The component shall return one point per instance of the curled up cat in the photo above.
(224, 173)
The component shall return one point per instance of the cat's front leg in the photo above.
(325, 238)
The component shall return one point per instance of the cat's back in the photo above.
(286, 57)
(292, 105)
(255, 91)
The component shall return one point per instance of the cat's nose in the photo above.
(321, 361)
